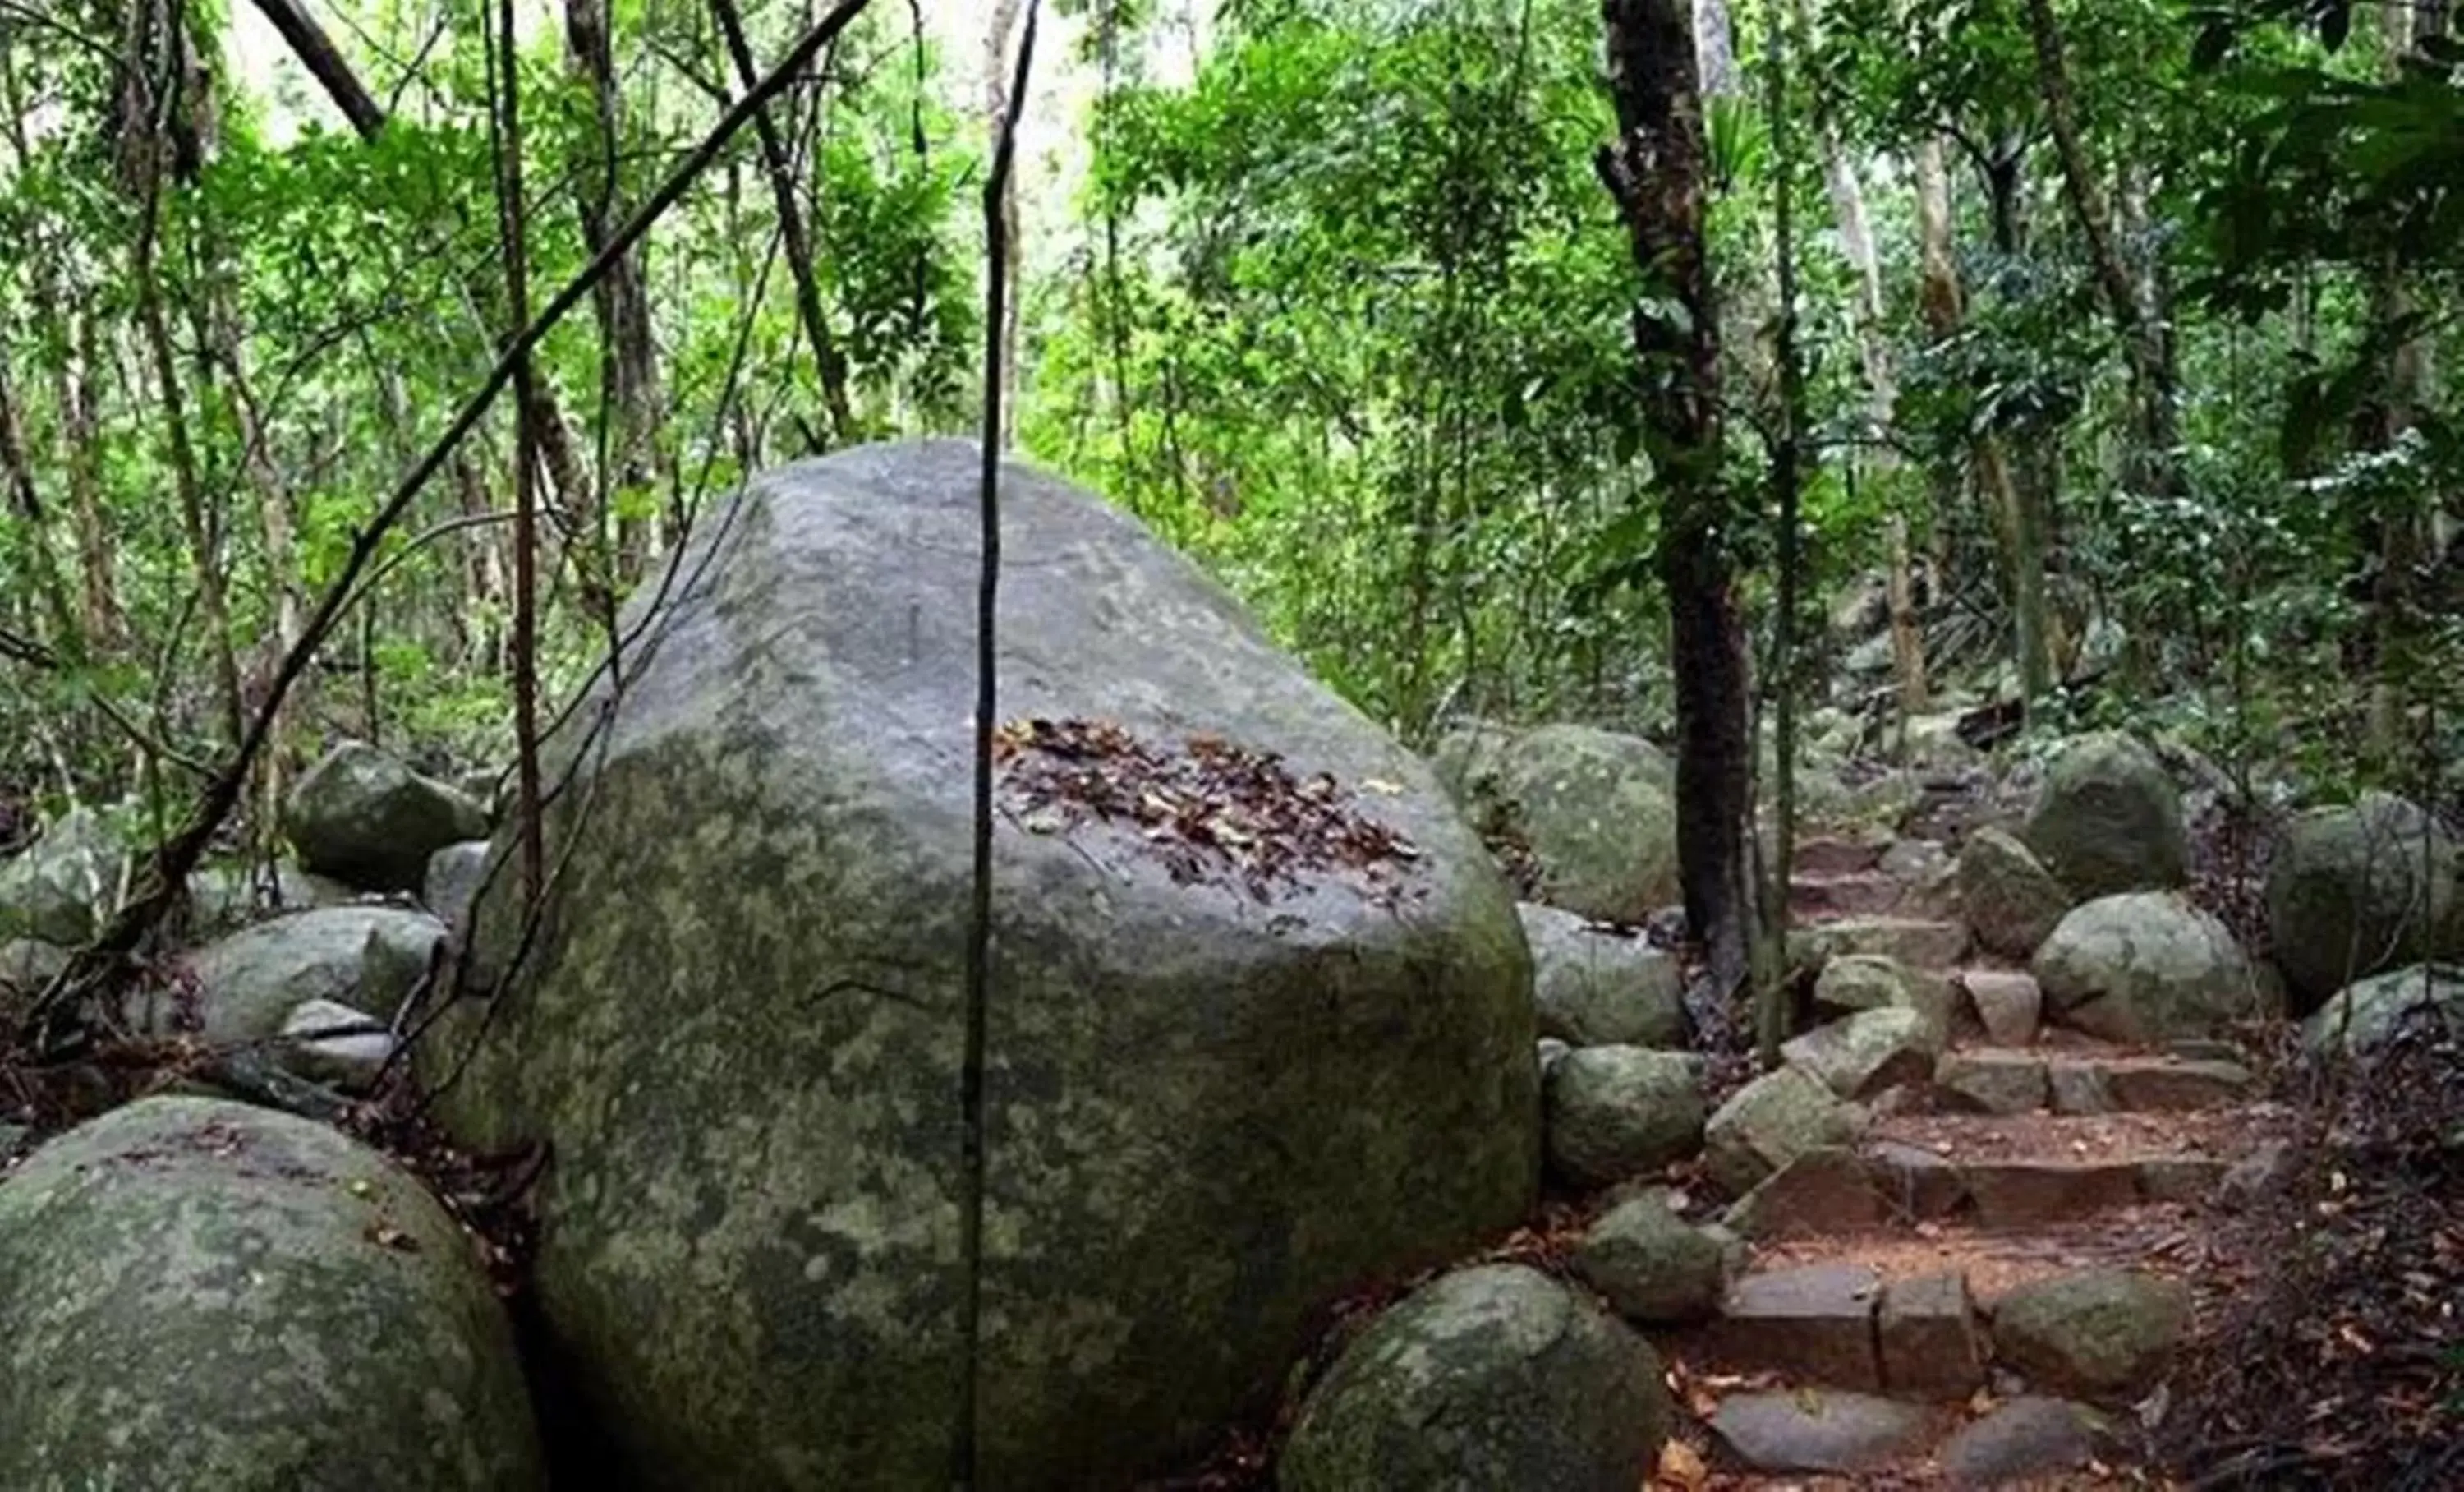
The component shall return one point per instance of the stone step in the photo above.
(1924, 943)
(1996, 1171)
(1915, 1324)
(1782, 1432)
(1822, 897)
(1828, 855)
(2013, 1081)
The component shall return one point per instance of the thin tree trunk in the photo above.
(532, 856)
(628, 362)
(1657, 169)
(2016, 519)
(780, 163)
(1882, 389)
(1004, 19)
(18, 475)
(1788, 457)
(2142, 337)
(2402, 540)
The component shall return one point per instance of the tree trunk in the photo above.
(2154, 437)
(780, 163)
(1657, 169)
(1004, 19)
(1882, 389)
(1773, 1010)
(2017, 519)
(628, 364)
(26, 499)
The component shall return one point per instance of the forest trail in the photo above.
(2047, 1183)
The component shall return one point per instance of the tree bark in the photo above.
(2152, 467)
(309, 43)
(1657, 169)
(16, 471)
(1881, 391)
(1004, 19)
(2017, 517)
(628, 381)
(780, 163)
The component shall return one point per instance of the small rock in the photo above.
(1551, 1050)
(1816, 1322)
(1920, 862)
(1992, 1083)
(2006, 894)
(2009, 1005)
(1771, 1121)
(1619, 1111)
(1852, 983)
(352, 1049)
(2101, 1332)
(1868, 1051)
(1818, 1430)
(2023, 1439)
(1930, 1345)
(364, 957)
(1651, 1265)
(2257, 1176)
(454, 877)
(2180, 1178)
(1496, 1376)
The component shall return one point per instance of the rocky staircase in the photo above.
(1981, 1280)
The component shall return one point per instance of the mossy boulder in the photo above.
(1217, 1104)
(2354, 890)
(368, 820)
(1619, 1111)
(2109, 819)
(2006, 894)
(241, 987)
(199, 1294)
(1597, 987)
(2370, 1013)
(1594, 808)
(2149, 966)
(2098, 1333)
(58, 888)
(1491, 1377)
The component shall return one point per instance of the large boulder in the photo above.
(201, 1294)
(242, 987)
(2149, 966)
(1243, 1055)
(1599, 987)
(2109, 819)
(1491, 1377)
(2354, 890)
(2368, 1013)
(58, 888)
(365, 818)
(1593, 807)
(2007, 895)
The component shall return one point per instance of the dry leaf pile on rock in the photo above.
(1214, 811)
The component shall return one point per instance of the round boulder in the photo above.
(1598, 988)
(201, 1294)
(241, 987)
(2147, 967)
(1593, 807)
(2354, 890)
(364, 818)
(1652, 1265)
(1270, 1043)
(58, 889)
(2109, 819)
(1619, 1111)
(1497, 1377)
(2007, 895)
